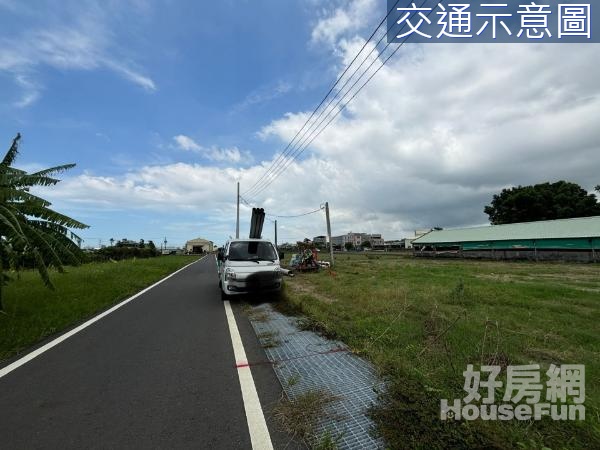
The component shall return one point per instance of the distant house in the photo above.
(377, 241)
(198, 245)
(356, 239)
(565, 239)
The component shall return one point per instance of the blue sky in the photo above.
(214, 71)
(165, 104)
(219, 71)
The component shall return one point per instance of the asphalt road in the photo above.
(157, 373)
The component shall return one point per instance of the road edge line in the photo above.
(257, 426)
(63, 337)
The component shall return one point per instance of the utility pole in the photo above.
(329, 231)
(276, 235)
(237, 223)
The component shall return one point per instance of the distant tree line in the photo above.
(125, 249)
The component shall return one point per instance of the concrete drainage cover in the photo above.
(318, 364)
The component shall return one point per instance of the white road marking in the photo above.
(34, 354)
(259, 433)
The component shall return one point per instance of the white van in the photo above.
(249, 266)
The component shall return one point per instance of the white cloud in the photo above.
(186, 143)
(263, 94)
(83, 41)
(31, 91)
(131, 75)
(231, 155)
(169, 187)
(345, 17)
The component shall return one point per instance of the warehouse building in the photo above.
(566, 239)
(197, 246)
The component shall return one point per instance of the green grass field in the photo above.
(421, 321)
(33, 312)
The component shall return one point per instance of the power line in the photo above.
(246, 202)
(303, 144)
(282, 155)
(287, 150)
(306, 142)
(298, 215)
(276, 169)
(277, 216)
(309, 137)
(278, 164)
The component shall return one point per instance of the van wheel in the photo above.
(224, 296)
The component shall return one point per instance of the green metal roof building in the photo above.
(577, 239)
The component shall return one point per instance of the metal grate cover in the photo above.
(315, 363)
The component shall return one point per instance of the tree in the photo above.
(546, 201)
(29, 228)
(597, 188)
(366, 244)
(349, 246)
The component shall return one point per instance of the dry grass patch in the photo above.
(269, 339)
(298, 417)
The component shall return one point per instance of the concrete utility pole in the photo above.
(276, 235)
(329, 231)
(237, 223)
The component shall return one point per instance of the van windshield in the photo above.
(252, 251)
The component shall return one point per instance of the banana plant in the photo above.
(29, 227)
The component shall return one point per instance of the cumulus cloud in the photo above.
(207, 193)
(180, 186)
